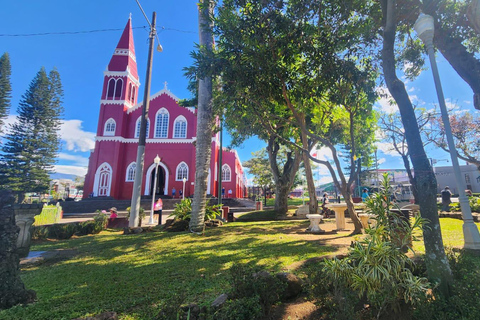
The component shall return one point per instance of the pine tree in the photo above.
(32, 142)
(5, 88)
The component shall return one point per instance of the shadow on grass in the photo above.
(135, 275)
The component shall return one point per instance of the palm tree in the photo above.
(205, 120)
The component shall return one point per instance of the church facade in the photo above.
(171, 134)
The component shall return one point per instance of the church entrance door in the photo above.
(160, 190)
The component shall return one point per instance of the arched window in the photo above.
(109, 129)
(137, 127)
(130, 176)
(161, 123)
(110, 89)
(130, 91)
(226, 173)
(182, 171)
(133, 95)
(118, 89)
(180, 128)
(103, 180)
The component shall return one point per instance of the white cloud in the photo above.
(78, 171)
(386, 103)
(381, 160)
(387, 148)
(324, 153)
(77, 160)
(75, 138)
(325, 179)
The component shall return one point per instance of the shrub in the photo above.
(246, 308)
(465, 292)
(62, 231)
(40, 232)
(141, 215)
(87, 227)
(251, 282)
(376, 269)
(101, 222)
(183, 210)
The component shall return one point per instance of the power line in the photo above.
(62, 32)
(86, 31)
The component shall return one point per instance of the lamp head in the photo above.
(157, 159)
(184, 179)
(424, 27)
(159, 48)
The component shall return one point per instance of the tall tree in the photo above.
(466, 134)
(393, 132)
(32, 142)
(5, 88)
(205, 120)
(437, 264)
(277, 60)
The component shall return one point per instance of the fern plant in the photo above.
(376, 268)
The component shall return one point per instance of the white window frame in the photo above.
(131, 170)
(180, 165)
(137, 127)
(107, 128)
(157, 128)
(179, 121)
(226, 167)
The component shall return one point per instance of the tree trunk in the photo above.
(205, 121)
(411, 177)
(283, 180)
(437, 264)
(12, 289)
(352, 213)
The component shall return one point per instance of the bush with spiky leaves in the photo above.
(376, 269)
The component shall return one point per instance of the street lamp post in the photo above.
(303, 198)
(424, 27)
(156, 161)
(183, 194)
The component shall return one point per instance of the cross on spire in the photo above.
(165, 83)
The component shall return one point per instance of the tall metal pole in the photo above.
(220, 166)
(137, 185)
(470, 230)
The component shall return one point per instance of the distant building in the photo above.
(171, 133)
(469, 173)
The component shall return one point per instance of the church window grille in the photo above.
(180, 128)
(137, 127)
(161, 124)
(182, 171)
(109, 127)
(131, 172)
(226, 173)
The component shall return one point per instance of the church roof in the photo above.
(123, 58)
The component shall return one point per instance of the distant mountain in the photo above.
(58, 176)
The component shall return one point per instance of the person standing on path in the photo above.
(158, 209)
(173, 192)
(446, 199)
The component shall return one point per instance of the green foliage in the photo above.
(376, 269)
(141, 215)
(5, 88)
(62, 230)
(475, 204)
(465, 292)
(101, 220)
(39, 232)
(50, 214)
(183, 210)
(259, 167)
(32, 143)
(251, 282)
(245, 308)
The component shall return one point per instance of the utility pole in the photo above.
(137, 185)
(220, 164)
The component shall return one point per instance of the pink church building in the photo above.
(171, 134)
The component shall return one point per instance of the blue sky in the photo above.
(81, 59)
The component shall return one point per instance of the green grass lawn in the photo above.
(136, 275)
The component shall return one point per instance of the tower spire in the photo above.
(123, 58)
